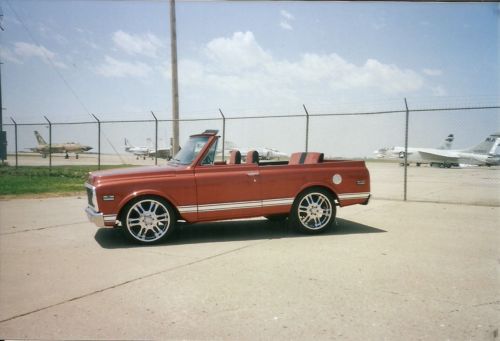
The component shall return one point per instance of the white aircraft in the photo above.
(484, 154)
(264, 153)
(138, 151)
(147, 151)
(399, 152)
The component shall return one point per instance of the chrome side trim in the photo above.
(109, 218)
(187, 209)
(235, 205)
(278, 202)
(229, 206)
(349, 196)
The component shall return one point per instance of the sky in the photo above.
(70, 59)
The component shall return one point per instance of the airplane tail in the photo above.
(127, 145)
(488, 146)
(447, 142)
(39, 138)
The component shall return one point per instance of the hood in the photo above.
(133, 173)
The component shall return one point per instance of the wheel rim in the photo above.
(315, 211)
(148, 220)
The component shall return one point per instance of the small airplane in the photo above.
(264, 153)
(484, 154)
(138, 151)
(147, 151)
(399, 152)
(68, 147)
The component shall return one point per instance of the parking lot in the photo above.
(390, 270)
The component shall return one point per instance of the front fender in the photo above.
(144, 192)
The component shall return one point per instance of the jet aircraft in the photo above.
(264, 153)
(485, 153)
(147, 151)
(68, 147)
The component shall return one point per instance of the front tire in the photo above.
(148, 220)
(313, 211)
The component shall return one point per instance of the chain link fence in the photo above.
(358, 135)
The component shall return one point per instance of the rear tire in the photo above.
(148, 220)
(313, 211)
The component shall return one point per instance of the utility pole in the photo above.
(3, 134)
(175, 85)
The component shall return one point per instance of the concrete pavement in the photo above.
(389, 270)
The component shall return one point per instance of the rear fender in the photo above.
(330, 189)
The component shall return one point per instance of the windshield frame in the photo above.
(191, 150)
(189, 154)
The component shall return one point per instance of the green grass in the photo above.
(38, 180)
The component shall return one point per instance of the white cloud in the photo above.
(50, 33)
(285, 25)
(286, 18)
(26, 50)
(134, 44)
(238, 65)
(286, 15)
(432, 72)
(237, 53)
(116, 68)
(439, 91)
(7, 55)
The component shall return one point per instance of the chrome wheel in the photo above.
(148, 220)
(314, 211)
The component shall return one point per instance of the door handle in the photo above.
(253, 173)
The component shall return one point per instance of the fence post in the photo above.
(406, 149)
(50, 143)
(98, 142)
(223, 134)
(15, 137)
(156, 138)
(307, 128)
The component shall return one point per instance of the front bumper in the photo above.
(101, 220)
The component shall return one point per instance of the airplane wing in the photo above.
(438, 157)
(161, 153)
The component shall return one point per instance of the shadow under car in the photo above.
(230, 230)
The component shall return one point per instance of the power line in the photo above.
(54, 67)
(51, 62)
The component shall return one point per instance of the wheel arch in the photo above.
(319, 186)
(145, 194)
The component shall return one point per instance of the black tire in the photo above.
(148, 220)
(277, 217)
(313, 211)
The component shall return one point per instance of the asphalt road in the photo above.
(390, 270)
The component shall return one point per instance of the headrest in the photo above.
(235, 157)
(253, 156)
(305, 158)
(314, 158)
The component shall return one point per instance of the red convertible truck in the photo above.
(146, 202)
